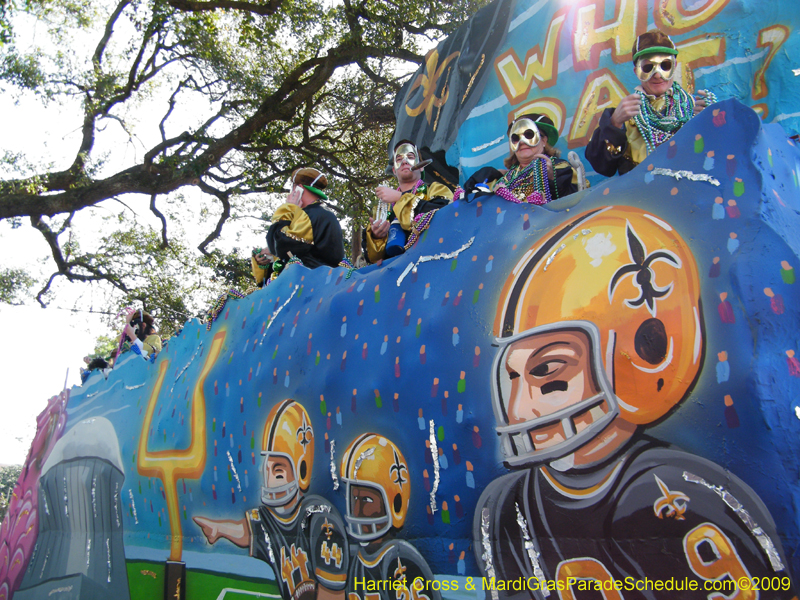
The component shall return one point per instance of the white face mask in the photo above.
(649, 65)
(525, 132)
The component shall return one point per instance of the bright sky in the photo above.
(38, 348)
(41, 345)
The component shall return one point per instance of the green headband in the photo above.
(655, 50)
(316, 191)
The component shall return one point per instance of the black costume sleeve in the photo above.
(328, 246)
(603, 160)
(429, 205)
(281, 244)
(487, 174)
(564, 178)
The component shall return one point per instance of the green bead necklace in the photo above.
(657, 127)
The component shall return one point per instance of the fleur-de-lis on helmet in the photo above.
(397, 470)
(644, 276)
(304, 433)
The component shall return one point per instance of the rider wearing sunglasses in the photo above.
(628, 133)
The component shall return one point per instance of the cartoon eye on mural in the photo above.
(301, 536)
(378, 488)
(600, 333)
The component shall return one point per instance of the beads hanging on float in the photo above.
(528, 185)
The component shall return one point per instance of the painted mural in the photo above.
(594, 398)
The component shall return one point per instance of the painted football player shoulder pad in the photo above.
(395, 571)
(711, 524)
(328, 540)
(306, 549)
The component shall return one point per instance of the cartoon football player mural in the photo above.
(301, 536)
(378, 490)
(601, 334)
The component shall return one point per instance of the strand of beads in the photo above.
(533, 198)
(417, 185)
(710, 97)
(541, 181)
(293, 261)
(219, 304)
(351, 268)
(656, 128)
(420, 224)
(256, 252)
(529, 184)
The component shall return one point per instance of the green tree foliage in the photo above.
(104, 346)
(244, 93)
(14, 283)
(8, 479)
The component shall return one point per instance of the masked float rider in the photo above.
(410, 204)
(142, 337)
(536, 174)
(650, 116)
(302, 228)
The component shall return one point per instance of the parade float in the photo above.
(661, 306)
